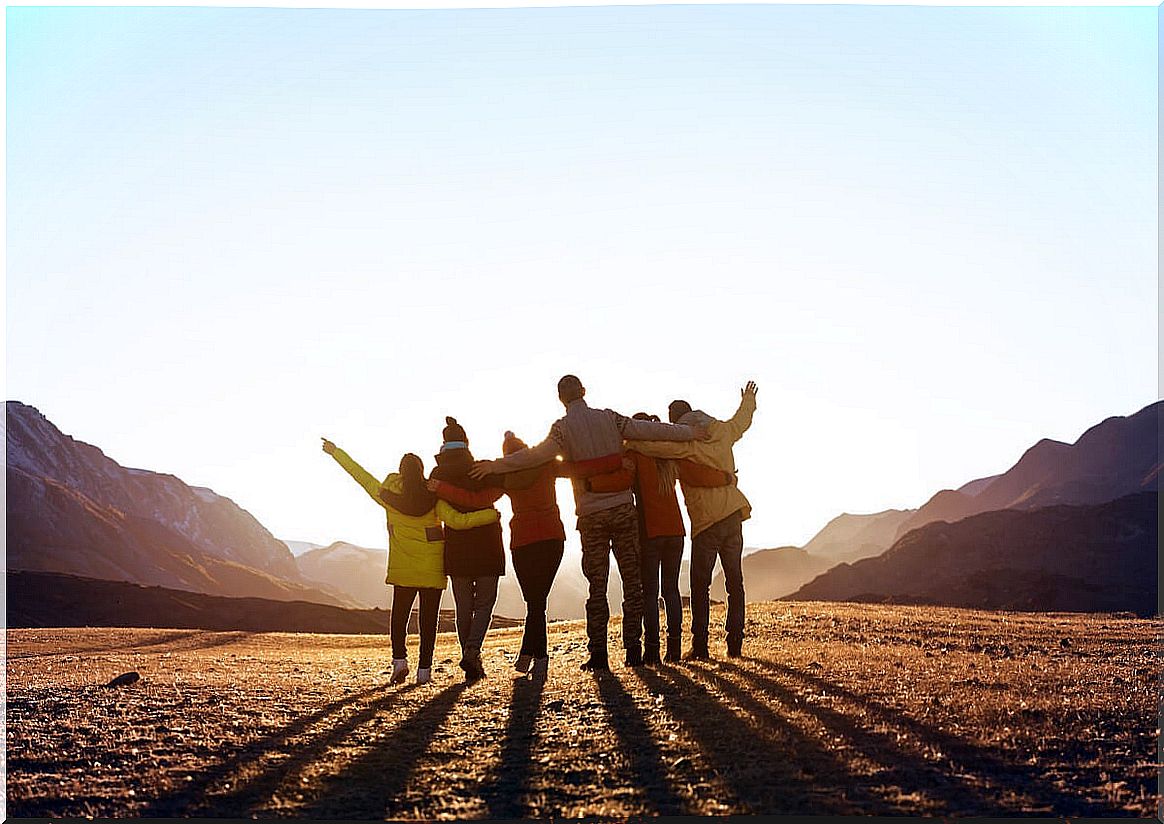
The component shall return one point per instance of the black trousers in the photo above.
(430, 605)
(536, 565)
(661, 557)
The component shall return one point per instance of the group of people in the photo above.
(623, 471)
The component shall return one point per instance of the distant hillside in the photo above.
(45, 599)
(356, 571)
(71, 509)
(1119, 456)
(52, 528)
(774, 573)
(1090, 558)
(299, 547)
(852, 537)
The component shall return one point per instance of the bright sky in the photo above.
(929, 234)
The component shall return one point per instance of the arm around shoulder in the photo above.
(466, 520)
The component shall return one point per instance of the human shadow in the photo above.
(194, 793)
(899, 767)
(370, 786)
(771, 768)
(639, 746)
(503, 791)
(969, 757)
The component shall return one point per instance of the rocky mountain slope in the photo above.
(1082, 558)
(72, 509)
(1117, 457)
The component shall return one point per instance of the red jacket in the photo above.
(535, 506)
(659, 509)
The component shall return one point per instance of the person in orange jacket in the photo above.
(717, 515)
(661, 535)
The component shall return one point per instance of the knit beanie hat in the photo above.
(453, 433)
(512, 444)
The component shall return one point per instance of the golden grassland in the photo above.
(835, 708)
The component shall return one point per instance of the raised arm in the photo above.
(465, 520)
(361, 476)
(738, 423)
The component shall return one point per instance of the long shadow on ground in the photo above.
(639, 746)
(507, 785)
(195, 792)
(768, 770)
(969, 757)
(371, 786)
(899, 767)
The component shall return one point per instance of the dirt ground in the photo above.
(835, 708)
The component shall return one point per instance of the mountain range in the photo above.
(1119, 456)
(1078, 558)
(73, 510)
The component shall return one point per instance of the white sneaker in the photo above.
(423, 675)
(523, 663)
(399, 670)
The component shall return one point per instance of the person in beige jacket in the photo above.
(717, 514)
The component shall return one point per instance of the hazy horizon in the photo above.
(929, 234)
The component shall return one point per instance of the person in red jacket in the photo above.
(661, 536)
(536, 540)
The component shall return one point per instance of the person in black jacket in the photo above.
(474, 558)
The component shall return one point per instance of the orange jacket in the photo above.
(535, 505)
(659, 508)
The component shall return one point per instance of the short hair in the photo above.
(570, 388)
(677, 409)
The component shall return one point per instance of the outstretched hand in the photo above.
(700, 433)
(432, 484)
(749, 390)
(480, 469)
(328, 446)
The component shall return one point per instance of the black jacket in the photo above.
(475, 552)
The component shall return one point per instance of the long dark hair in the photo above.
(415, 499)
(667, 471)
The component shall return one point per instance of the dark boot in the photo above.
(735, 647)
(651, 656)
(634, 656)
(674, 650)
(698, 651)
(596, 663)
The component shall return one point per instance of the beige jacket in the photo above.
(708, 505)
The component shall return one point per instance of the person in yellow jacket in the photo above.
(717, 514)
(416, 550)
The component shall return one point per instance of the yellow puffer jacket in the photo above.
(708, 505)
(416, 544)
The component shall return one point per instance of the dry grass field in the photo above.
(835, 708)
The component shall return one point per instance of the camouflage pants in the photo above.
(618, 528)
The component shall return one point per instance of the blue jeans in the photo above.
(725, 540)
(663, 555)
